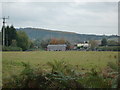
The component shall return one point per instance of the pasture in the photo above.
(11, 61)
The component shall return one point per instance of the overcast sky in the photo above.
(80, 17)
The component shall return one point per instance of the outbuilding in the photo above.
(58, 47)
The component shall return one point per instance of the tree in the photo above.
(112, 43)
(104, 42)
(31, 44)
(68, 44)
(54, 41)
(10, 34)
(22, 40)
(16, 39)
(44, 43)
(93, 44)
(7, 37)
(14, 43)
(61, 41)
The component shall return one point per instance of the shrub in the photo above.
(94, 79)
(61, 67)
(109, 48)
(113, 66)
(114, 74)
(28, 78)
(10, 48)
(31, 78)
(62, 76)
(60, 80)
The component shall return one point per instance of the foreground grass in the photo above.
(86, 60)
(63, 76)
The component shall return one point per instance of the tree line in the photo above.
(15, 38)
(18, 40)
(106, 45)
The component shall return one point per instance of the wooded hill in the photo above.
(38, 33)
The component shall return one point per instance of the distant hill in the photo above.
(38, 33)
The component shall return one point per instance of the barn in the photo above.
(58, 47)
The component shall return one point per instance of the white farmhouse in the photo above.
(83, 45)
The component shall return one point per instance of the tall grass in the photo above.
(62, 76)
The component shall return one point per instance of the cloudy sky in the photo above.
(73, 16)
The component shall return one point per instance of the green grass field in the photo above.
(11, 61)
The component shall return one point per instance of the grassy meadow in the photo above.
(11, 61)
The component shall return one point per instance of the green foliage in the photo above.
(10, 48)
(28, 78)
(59, 78)
(93, 44)
(109, 48)
(31, 44)
(112, 65)
(10, 34)
(118, 81)
(44, 43)
(15, 39)
(22, 40)
(14, 43)
(35, 78)
(62, 81)
(94, 79)
(113, 43)
(104, 42)
(27, 70)
(31, 78)
(115, 74)
(61, 67)
(115, 82)
(0, 38)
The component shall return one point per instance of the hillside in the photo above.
(38, 33)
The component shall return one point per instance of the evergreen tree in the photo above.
(2, 34)
(16, 39)
(104, 42)
(10, 34)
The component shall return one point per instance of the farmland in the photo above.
(91, 59)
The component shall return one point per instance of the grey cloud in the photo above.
(92, 17)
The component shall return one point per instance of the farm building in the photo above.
(58, 47)
(84, 45)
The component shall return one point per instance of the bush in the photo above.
(60, 77)
(109, 48)
(114, 74)
(61, 67)
(94, 79)
(113, 66)
(28, 78)
(10, 48)
(23, 40)
(32, 78)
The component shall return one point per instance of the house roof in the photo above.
(60, 45)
